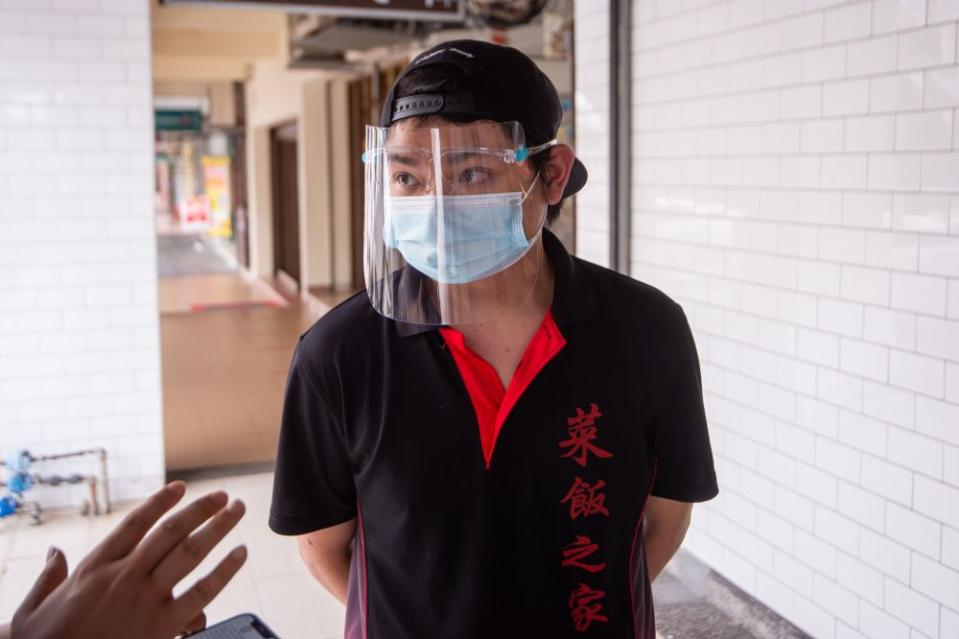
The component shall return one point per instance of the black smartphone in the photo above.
(245, 626)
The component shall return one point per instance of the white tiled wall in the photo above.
(796, 188)
(592, 127)
(79, 337)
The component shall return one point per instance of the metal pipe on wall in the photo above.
(620, 132)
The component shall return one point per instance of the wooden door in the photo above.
(241, 206)
(286, 214)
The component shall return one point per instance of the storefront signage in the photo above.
(177, 120)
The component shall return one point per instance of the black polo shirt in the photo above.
(543, 538)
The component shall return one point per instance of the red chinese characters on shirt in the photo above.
(582, 431)
(585, 499)
(575, 553)
(585, 607)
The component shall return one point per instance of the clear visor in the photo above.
(453, 220)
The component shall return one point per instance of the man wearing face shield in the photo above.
(495, 438)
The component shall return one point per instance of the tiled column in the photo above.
(592, 128)
(796, 185)
(79, 337)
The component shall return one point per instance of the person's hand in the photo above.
(124, 587)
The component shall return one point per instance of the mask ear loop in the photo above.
(526, 192)
(523, 153)
(542, 223)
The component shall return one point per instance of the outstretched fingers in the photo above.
(193, 549)
(172, 530)
(125, 537)
(193, 601)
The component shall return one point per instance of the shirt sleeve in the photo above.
(313, 482)
(684, 459)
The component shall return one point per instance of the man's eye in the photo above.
(404, 179)
(474, 175)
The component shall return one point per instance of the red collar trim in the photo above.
(491, 402)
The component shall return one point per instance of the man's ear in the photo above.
(555, 172)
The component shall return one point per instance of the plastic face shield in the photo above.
(451, 230)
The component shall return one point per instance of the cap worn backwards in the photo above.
(506, 85)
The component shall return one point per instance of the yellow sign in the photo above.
(216, 184)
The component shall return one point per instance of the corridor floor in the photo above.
(224, 372)
(226, 343)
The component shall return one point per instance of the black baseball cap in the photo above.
(505, 85)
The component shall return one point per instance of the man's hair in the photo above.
(445, 79)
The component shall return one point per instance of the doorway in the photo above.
(286, 215)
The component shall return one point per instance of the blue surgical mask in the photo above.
(480, 235)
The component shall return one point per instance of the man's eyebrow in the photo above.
(397, 157)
